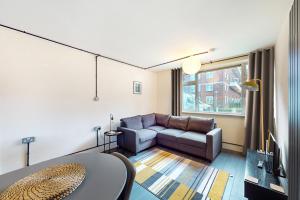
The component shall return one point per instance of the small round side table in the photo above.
(109, 134)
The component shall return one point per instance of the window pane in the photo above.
(209, 75)
(209, 100)
(218, 91)
(187, 77)
(189, 96)
(209, 87)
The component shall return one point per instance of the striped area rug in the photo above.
(169, 176)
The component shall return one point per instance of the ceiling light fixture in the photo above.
(192, 64)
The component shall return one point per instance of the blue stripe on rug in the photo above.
(197, 196)
(152, 179)
(169, 190)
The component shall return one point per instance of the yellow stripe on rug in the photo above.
(137, 164)
(217, 190)
(144, 174)
(156, 159)
(179, 193)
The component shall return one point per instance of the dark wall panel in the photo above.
(294, 104)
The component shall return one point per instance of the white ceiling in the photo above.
(149, 32)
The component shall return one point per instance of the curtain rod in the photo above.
(66, 45)
(182, 58)
(221, 60)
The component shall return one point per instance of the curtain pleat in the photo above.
(176, 91)
(261, 66)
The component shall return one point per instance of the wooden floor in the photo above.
(231, 162)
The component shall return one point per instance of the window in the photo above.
(226, 100)
(189, 78)
(209, 100)
(209, 87)
(216, 91)
(226, 76)
(209, 75)
(234, 81)
(189, 98)
(226, 87)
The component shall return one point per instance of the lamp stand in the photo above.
(262, 116)
(27, 141)
(262, 141)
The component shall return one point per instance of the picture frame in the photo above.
(137, 87)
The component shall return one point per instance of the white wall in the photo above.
(232, 126)
(47, 90)
(281, 90)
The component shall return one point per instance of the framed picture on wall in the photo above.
(137, 87)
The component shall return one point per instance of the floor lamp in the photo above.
(256, 85)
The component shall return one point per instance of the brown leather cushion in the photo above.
(178, 122)
(202, 125)
(162, 119)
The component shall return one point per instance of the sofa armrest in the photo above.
(213, 143)
(129, 139)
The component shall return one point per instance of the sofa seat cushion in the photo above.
(146, 134)
(193, 139)
(169, 134)
(157, 128)
(148, 120)
(133, 122)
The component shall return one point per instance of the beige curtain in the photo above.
(261, 66)
(176, 91)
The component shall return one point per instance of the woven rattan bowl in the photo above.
(54, 182)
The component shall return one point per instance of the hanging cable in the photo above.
(96, 98)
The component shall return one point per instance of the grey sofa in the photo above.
(193, 135)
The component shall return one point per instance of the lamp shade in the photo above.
(191, 65)
(250, 85)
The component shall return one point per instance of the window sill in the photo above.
(216, 114)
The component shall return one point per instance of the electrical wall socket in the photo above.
(28, 140)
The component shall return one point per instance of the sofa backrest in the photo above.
(197, 124)
(162, 120)
(148, 120)
(178, 122)
(201, 125)
(134, 122)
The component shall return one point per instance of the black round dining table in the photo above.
(105, 175)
